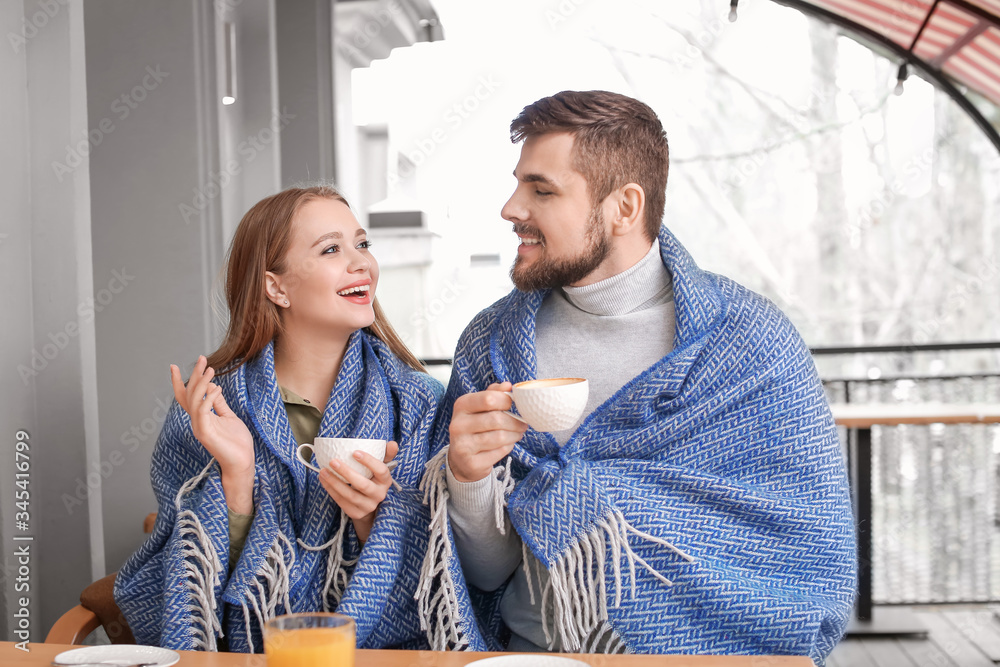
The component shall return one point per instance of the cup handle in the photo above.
(517, 417)
(302, 459)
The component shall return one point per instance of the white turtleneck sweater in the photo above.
(608, 332)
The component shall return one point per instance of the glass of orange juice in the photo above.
(304, 640)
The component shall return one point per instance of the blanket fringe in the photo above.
(270, 586)
(338, 569)
(577, 589)
(203, 568)
(604, 639)
(576, 592)
(502, 485)
(437, 596)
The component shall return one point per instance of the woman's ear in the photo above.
(631, 207)
(274, 290)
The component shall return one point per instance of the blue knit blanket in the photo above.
(703, 508)
(301, 553)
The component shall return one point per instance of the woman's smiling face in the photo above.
(330, 275)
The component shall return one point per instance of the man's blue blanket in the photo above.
(301, 553)
(703, 508)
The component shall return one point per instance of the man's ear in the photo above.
(630, 201)
(274, 290)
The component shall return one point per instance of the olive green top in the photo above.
(304, 418)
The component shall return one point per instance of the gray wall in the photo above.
(47, 342)
(305, 80)
(17, 410)
(156, 226)
(248, 139)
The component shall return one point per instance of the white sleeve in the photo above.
(488, 556)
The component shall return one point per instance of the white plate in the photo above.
(119, 654)
(528, 660)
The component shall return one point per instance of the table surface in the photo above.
(892, 414)
(42, 654)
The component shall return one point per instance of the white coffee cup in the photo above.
(552, 404)
(341, 449)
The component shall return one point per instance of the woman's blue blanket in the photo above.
(704, 508)
(301, 553)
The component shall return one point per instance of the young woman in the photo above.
(244, 530)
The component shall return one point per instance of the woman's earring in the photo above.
(286, 302)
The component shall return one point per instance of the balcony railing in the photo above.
(935, 501)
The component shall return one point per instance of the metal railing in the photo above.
(935, 515)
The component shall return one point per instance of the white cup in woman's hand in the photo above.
(327, 450)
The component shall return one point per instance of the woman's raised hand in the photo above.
(221, 432)
(359, 496)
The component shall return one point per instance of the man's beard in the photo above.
(545, 274)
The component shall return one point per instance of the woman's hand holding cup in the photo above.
(220, 431)
(357, 495)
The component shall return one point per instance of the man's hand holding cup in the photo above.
(484, 431)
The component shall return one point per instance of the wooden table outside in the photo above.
(861, 418)
(42, 654)
(867, 415)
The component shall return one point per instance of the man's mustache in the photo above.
(526, 230)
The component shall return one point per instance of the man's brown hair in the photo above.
(616, 140)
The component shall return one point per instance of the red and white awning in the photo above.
(960, 38)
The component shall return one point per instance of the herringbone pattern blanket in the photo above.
(704, 508)
(301, 554)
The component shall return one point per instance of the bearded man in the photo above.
(701, 505)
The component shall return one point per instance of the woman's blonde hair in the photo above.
(259, 245)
